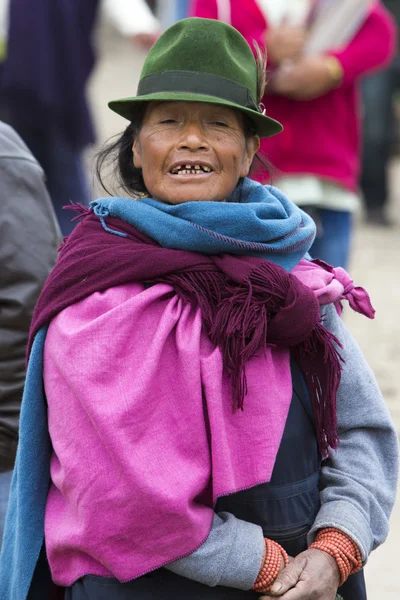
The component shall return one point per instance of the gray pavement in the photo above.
(375, 265)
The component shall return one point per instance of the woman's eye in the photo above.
(166, 121)
(220, 124)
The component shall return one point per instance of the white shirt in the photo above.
(309, 190)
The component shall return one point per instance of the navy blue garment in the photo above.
(49, 60)
(285, 508)
(43, 91)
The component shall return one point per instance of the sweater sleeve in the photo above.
(231, 556)
(371, 48)
(359, 480)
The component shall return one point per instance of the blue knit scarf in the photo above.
(255, 220)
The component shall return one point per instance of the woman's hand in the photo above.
(308, 78)
(284, 43)
(312, 575)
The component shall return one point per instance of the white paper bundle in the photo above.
(293, 13)
(336, 23)
(131, 17)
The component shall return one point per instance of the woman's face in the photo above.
(192, 151)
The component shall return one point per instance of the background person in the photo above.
(187, 275)
(29, 237)
(49, 58)
(48, 62)
(317, 101)
(380, 133)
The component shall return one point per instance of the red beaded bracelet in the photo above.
(342, 548)
(271, 565)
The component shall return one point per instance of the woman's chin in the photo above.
(182, 190)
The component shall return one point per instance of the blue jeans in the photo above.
(62, 164)
(379, 126)
(182, 8)
(171, 11)
(5, 484)
(334, 236)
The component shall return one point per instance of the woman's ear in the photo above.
(137, 157)
(252, 146)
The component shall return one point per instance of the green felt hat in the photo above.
(201, 60)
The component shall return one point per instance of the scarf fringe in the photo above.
(83, 211)
(237, 318)
(321, 364)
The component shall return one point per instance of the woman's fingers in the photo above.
(288, 577)
(299, 592)
(312, 574)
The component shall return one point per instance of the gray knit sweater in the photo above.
(358, 482)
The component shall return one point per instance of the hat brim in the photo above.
(265, 126)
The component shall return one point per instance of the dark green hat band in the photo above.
(197, 83)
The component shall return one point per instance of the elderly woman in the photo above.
(202, 410)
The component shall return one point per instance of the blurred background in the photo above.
(121, 32)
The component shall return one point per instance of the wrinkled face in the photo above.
(192, 151)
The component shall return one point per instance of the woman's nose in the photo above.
(193, 138)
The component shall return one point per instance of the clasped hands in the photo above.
(312, 575)
(296, 76)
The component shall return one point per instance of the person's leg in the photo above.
(34, 138)
(5, 484)
(66, 179)
(63, 167)
(167, 13)
(334, 235)
(182, 9)
(378, 127)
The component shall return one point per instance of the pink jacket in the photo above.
(321, 136)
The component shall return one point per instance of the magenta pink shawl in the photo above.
(143, 432)
(247, 305)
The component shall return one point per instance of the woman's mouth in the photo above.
(185, 169)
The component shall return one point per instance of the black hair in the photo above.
(117, 154)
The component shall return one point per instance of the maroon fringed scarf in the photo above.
(246, 303)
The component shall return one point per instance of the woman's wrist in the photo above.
(335, 69)
(342, 548)
(274, 560)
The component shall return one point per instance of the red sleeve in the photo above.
(371, 48)
(206, 9)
